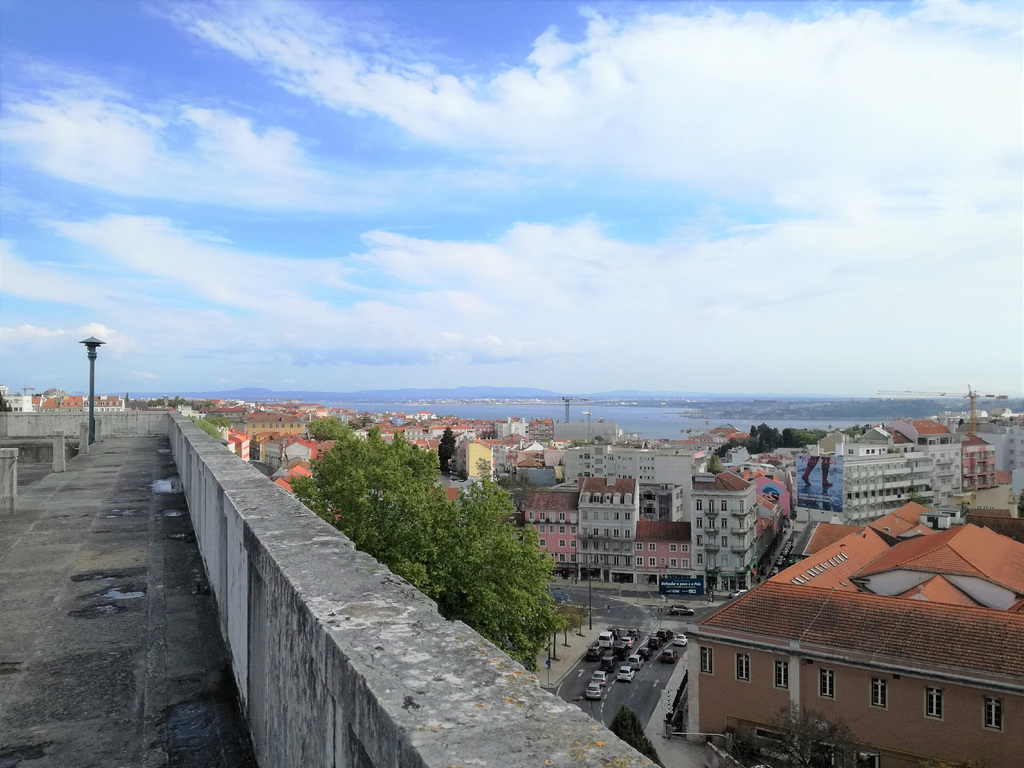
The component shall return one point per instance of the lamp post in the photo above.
(92, 344)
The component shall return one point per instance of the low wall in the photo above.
(341, 663)
(37, 450)
(110, 424)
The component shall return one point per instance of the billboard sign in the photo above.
(774, 490)
(681, 585)
(819, 482)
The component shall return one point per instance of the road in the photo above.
(643, 694)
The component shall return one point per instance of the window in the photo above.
(700, 540)
(561, 529)
(993, 713)
(933, 702)
(529, 515)
(672, 563)
(707, 660)
(725, 541)
(663, 561)
(700, 504)
(561, 517)
(782, 674)
(725, 523)
(878, 693)
(561, 558)
(639, 546)
(723, 505)
(684, 548)
(652, 561)
(672, 547)
(542, 542)
(561, 543)
(827, 683)
(743, 666)
(572, 529)
(700, 522)
(700, 559)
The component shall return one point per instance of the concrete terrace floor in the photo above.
(110, 654)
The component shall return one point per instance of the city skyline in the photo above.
(746, 197)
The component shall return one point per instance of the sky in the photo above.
(790, 198)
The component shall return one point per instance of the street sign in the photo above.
(548, 662)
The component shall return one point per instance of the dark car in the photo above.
(643, 652)
(668, 656)
(680, 610)
(620, 651)
(665, 634)
(608, 662)
(654, 642)
(594, 653)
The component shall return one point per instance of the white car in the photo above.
(600, 678)
(635, 661)
(594, 691)
(626, 674)
(679, 640)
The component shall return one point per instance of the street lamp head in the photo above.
(91, 343)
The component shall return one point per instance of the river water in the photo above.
(652, 422)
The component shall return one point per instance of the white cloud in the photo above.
(191, 154)
(742, 103)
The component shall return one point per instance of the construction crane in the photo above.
(568, 400)
(971, 394)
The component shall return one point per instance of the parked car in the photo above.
(668, 656)
(679, 641)
(737, 593)
(680, 610)
(594, 692)
(599, 677)
(626, 674)
(635, 660)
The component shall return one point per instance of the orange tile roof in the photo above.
(1003, 524)
(1003, 478)
(971, 439)
(284, 484)
(834, 566)
(724, 481)
(887, 629)
(901, 520)
(938, 589)
(928, 427)
(552, 500)
(966, 550)
(826, 534)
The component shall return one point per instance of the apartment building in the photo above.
(664, 474)
(724, 530)
(609, 511)
(663, 550)
(979, 463)
(555, 515)
(912, 642)
(1007, 438)
(943, 448)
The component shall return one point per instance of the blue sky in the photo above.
(778, 197)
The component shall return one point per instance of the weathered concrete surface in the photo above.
(109, 649)
(341, 663)
(125, 424)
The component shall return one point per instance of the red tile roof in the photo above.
(901, 520)
(928, 427)
(886, 629)
(553, 500)
(1004, 525)
(938, 589)
(1003, 478)
(600, 485)
(834, 566)
(724, 481)
(826, 534)
(899, 437)
(650, 530)
(971, 439)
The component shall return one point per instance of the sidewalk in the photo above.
(674, 751)
(568, 655)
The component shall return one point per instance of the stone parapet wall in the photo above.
(128, 423)
(341, 663)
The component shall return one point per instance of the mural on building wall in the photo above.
(819, 482)
(774, 491)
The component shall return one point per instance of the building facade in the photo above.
(724, 530)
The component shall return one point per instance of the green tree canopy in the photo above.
(810, 740)
(5, 407)
(518, 487)
(327, 429)
(467, 555)
(627, 726)
(715, 464)
(446, 449)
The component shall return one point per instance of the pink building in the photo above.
(555, 515)
(979, 463)
(662, 549)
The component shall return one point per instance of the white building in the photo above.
(943, 447)
(18, 403)
(1007, 437)
(664, 474)
(724, 530)
(609, 510)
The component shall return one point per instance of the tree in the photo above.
(446, 449)
(627, 726)
(1020, 505)
(715, 465)
(810, 740)
(518, 487)
(326, 429)
(5, 407)
(465, 555)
